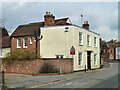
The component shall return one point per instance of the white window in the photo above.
(80, 38)
(111, 57)
(111, 51)
(18, 43)
(31, 40)
(25, 43)
(104, 50)
(59, 56)
(88, 40)
(80, 58)
(95, 59)
(95, 41)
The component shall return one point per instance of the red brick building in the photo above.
(28, 36)
(108, 49)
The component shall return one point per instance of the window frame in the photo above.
(110, 56)
(18, 46)
(111, 51)
(88, 40)
(30, 40)
(25, 43)
(80, 39)
(95, 59)
(81, 59)
(57, 56)
(95, 42)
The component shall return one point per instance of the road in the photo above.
(104, 79)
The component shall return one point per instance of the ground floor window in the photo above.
(95, 59)
(111, 57)
(25, 43)
(59, 56)
(80, 58)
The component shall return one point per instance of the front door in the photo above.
(89, 59)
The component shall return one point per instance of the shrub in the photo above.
(48, 68)
(21, 55)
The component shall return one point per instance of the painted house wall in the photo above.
(31, 47)
(58, 42)
(5, 51)
(117, 50)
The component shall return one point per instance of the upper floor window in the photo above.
(25, 43)
(31, 40)
(18, 43)
(88, 40)
(95, 41)
(80, 38)
(111, 51)
(80, 58)
(95, 59)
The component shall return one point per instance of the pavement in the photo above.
(29, 81)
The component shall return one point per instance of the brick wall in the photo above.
(31, 47)
(105, 53)
(33, 66)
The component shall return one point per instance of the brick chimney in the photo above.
(86, 25)
(49, 19)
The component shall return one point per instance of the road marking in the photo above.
(69, 83)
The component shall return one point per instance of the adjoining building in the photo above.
(54, 39)
(111, 50)
(5, 43)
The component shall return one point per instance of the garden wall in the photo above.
(34, 66)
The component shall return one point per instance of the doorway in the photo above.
(89, 59)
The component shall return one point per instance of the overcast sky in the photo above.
(102, 17)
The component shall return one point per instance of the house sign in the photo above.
(72, 51)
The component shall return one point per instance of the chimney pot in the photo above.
(49, 13)
(49, 19)
(86, 25)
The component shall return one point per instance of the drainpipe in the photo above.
(35, 35)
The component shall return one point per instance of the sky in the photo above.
(101, 16)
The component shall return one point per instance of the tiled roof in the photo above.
(29, 29)
(26, 30)
(3, 32)
(5, 41)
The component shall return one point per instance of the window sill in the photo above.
(95, 65)
(80, 44)
(25, 47)
(18, 47)
(80, 65)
